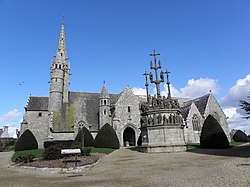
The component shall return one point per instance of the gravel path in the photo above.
(124, 167)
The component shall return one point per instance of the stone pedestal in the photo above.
(162, 126)
(161, 138)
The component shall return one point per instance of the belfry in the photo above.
(161, 120)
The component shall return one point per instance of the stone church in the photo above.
(62, 114)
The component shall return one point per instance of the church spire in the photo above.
(104, 92)
(61, 49)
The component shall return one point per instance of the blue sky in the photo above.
(205, 45)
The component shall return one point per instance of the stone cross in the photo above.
(157, 81)
(146, 84)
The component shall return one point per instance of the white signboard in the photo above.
(70, 151)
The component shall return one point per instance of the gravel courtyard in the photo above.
(124, 167)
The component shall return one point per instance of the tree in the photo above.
(107, 137)
(27, 141)
(88, 138)
(246, 106)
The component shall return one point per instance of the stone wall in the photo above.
(127, 114)
(38, 123)
(213, 108)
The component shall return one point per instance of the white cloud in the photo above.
(194, 88)
(10, 116)
(238, 92)
(139, 91)
(12, 119)
(236, 120)
(199, 87)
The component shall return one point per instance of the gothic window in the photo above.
(80, 125)
(60, 66)
(104, 112)
(56, 65)
(196, 123)
(104, 102)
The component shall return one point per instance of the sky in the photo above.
(204, 44)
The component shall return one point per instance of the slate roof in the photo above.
(200, 102)
(38, 104)
(88, 104)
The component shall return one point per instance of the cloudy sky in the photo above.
(204, 44)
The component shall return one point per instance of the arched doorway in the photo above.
(212, 135)
(129, 137)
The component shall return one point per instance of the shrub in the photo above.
(64, 144)
(240, 136)
(26, 159)
(52, 152)
(27, 141)
(52, 149)
(107, 137)
(36, 152)
(85, 151)
(88, 138)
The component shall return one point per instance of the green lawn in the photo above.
(101, 150)
(39, 152)
(36, 152)
(231, 145)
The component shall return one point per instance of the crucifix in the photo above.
(168, 83)
(146, 84)
(157, 81)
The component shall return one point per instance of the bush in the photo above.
(88, 138)
(107, 137)
(26, 159)
(240, 136)
(64, 144)
(52, 152)
(27, 141)
(19, 154)
(85, 151)
(52, 149)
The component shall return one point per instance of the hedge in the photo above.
(107, 138)
(88, 138)
(240, 136)
(27, 141)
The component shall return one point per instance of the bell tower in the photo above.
(59, 75)
(104, 107)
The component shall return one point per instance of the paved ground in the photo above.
(125, 167)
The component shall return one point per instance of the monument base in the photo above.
(163, 149)
(163, 139)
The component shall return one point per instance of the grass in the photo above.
(101, 150)
(231, 145)
(39, 152)
(235, 144)
(36, 152)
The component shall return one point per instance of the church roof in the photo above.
(38, 103)
(89, 105)
(200, 102)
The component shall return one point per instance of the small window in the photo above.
(104, 112)
(129, 109)
(60, 66)
(104, 102)
(40, 114)
(56, 66)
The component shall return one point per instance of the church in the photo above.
(62, 114)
